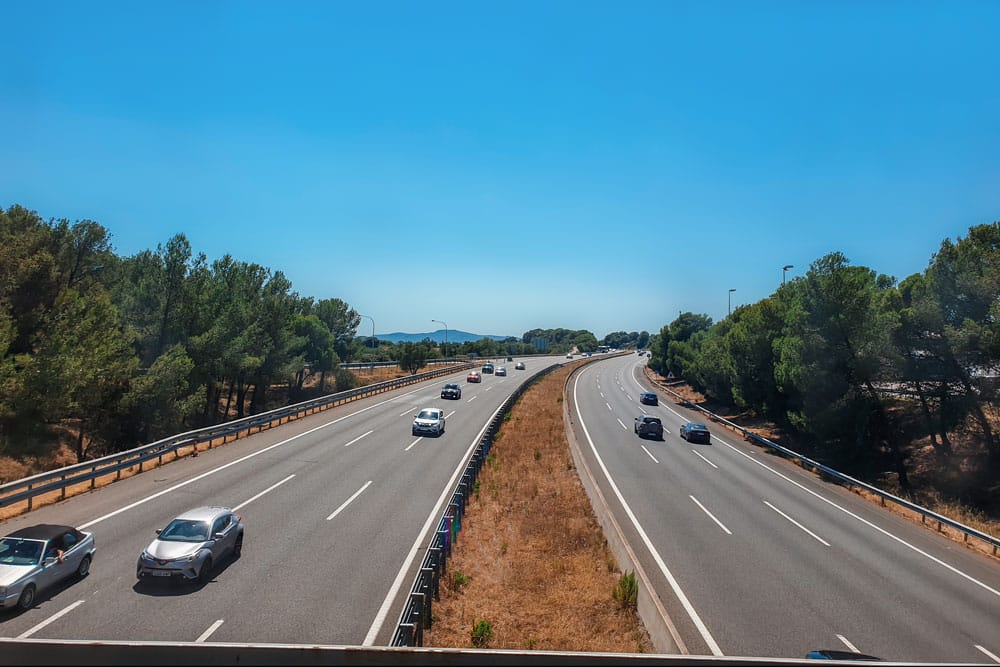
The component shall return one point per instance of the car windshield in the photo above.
(428, 414)
(185, 530)
(14, 551)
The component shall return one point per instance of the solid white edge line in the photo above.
(868, 523)
(383, 611)
(239, 460)
(349, 500)
(54, 617)
(698, 454)
(710, 515)
(692, 614)
(208, 633)
(650, 453)
(268, 489)
(848, 512)
(358, 438)
(848, 644)
(800, 526)
(991, 656)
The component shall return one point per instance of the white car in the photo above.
(35, 558)
(501, 370)
(429, 420)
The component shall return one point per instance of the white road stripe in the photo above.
(239, 460)
(449, 414)
(270, 488)
(350, 500)
(413, 443)
(650, 453)
(696, 453)
(991, 656)
(208, 633)
(804, 529)
(472, 399)
(713, 646)
(609, 406)
(50, 619)
(403, 414)
(848, 644)
(416, 548)
(710, 515)
(358, 438)
(623, 424)
(869, 523)
(602, 394)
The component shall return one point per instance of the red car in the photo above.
(474, 376)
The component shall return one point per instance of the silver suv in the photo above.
(192, 544)
(429, 420)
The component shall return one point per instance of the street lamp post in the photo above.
(445, 335)
(784, 270)
(731, 290)
(373, 339)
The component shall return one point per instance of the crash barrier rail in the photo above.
(416, 615)
(89, 471)
(840, 477)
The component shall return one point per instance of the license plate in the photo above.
(160, 574)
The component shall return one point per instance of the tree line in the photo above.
(107, 352)
(860, 364)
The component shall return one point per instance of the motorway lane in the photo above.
(759, 583)
(334, 506)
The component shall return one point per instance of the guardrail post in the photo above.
(456, 520)
(406, 634)
(62, 491)
(30, 498)
(93, 480)
(426, 590)
(418, 622)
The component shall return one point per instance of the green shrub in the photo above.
(626, 592)
(482, 634)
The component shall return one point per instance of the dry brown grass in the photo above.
(538, 567)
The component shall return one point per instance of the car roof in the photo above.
(648, 393)
(650, 418)
(696, 425)
(451, 385)
(43, 531)
(204, 513)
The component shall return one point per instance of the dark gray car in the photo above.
(190, 546)
(648, 426)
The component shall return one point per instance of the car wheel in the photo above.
(238, 547)
(27, 597)
(205, 573)
(83, 569)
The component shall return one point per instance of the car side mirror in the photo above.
(159, 530)
(217, 536)
(49, 560)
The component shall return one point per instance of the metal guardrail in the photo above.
(416, 615)
(805, 461)
(89, 471)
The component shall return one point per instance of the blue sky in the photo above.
(516, 165)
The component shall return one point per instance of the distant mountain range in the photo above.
(454, 336)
